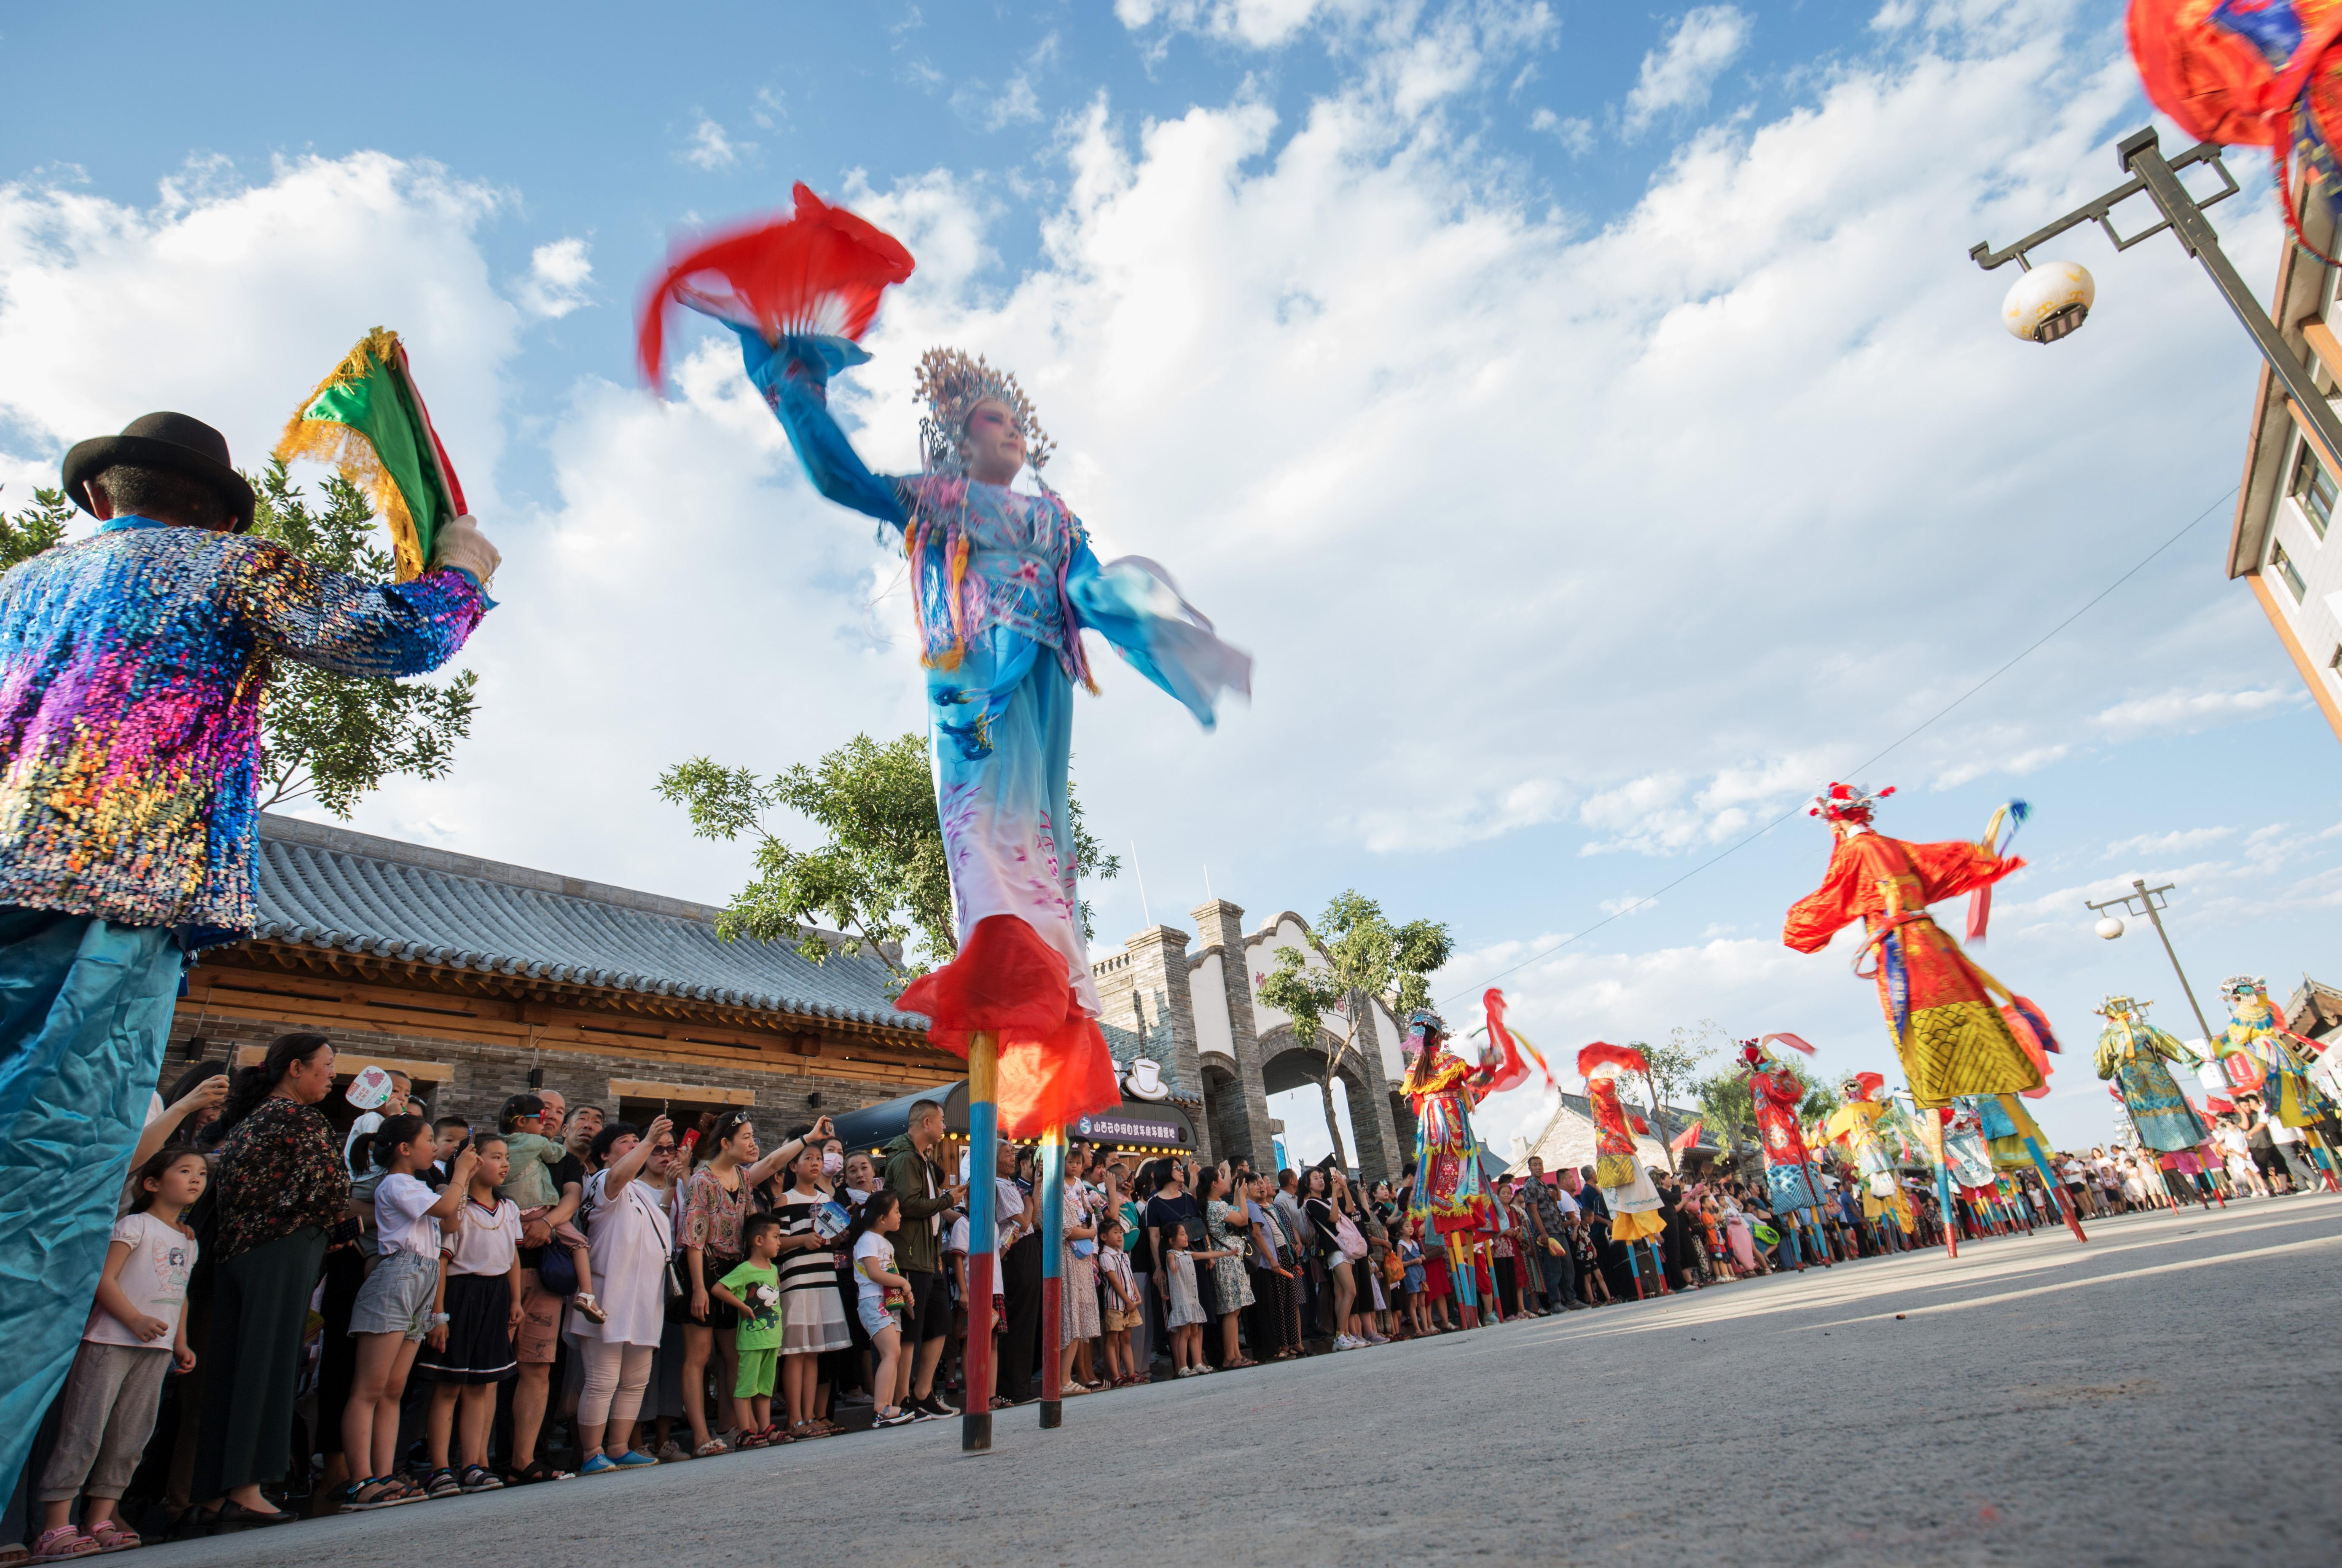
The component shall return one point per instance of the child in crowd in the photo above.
(1186, 1317)
(136, 1334)
(753, 1290)
(879, 1291)
(1385, 1272)
(448, 1133)
(1586, 1244)
(1410, 1256)
(1122, 1303)
(955, 1261)
(469, 1350)
(395, 1307)
(533, 1158)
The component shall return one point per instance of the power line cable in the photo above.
(1912, 734)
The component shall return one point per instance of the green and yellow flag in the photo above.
(367, 421)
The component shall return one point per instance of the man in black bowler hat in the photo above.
(133, 664)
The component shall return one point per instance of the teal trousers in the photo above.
(84, 1012)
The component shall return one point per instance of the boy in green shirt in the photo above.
(753, 1290)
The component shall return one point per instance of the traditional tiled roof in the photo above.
(329, 887)
(1568, 1138)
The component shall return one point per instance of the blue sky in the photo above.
(1589, 418)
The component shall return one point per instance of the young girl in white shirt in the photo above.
(472, 1351)
(877, 1287)
(136, 1334)
(395, 1307)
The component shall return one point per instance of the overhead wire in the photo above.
(1912, 734)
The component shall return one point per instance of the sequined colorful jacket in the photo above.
(131, 669)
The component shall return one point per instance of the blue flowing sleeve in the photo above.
(795, 380)
(1133, 603)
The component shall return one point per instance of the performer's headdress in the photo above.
(1421, 1024)
(1844, 805)
(2236, 987)
(1757, 1059)
(1604, 1060)
(1863, 1086)
(951, 385)
(2121, 1007)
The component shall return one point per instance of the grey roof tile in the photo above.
(330, 888)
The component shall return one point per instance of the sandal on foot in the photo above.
(62, 1544)
(711, 1448)
(112, 1535)
(357, 1497)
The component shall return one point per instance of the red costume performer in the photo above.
(1951, 1038)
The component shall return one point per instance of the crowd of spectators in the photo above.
(292, 1321)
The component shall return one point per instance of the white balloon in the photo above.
(2044, 292)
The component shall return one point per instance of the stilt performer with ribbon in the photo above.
(1002, 584)
(1791, 1184)
(1451, 1195)
(1949, 1036)
(2282, 1059)
(1855, 1124)
(1618, 1167)
(2131, 1056)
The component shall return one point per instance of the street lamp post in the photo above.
(2157, 178)
(2149, 902)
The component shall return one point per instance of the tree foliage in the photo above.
(334, 738)
(1672, 1073)
(881, 877)
(34, 529)
(1368, 959)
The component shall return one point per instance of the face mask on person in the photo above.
(831, 1163)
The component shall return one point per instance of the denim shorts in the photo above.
(875, 1315)
(396, 1297)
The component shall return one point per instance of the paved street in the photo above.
(2162, 1395)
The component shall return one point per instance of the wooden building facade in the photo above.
(471, 976)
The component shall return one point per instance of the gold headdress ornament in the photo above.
(951, 385)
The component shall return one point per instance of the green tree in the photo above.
(881, 877)
(1725, 1100)
(334, 738)
(36, 528)
(1368, 959)
(1670, 1073)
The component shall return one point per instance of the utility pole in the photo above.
(2149, 902)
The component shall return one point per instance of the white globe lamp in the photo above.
(2110, 928)
(2049, 302)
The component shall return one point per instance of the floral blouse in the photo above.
(712, 1217)
(279, 1171)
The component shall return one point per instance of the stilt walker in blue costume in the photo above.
(1002, 584)
(132, 667)
(2131, 1056)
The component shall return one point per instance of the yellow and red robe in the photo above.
(1618, 1168)
(1950, 1037)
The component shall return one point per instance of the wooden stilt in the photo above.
(1053, 1285)
(1951, 1215)
(983, 1237)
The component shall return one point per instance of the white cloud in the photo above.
(2171, 843)
(1678, 74)
(711, 148)
(1572, 132)
(229, 302)
(558, 273)
(1257, 24)
(2185, 711)
(771, 109)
